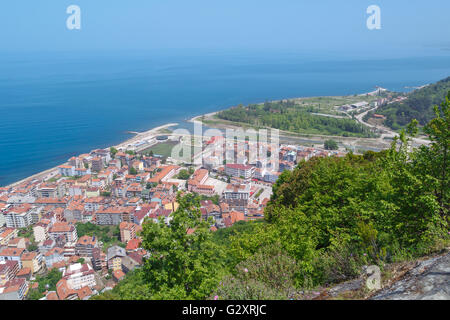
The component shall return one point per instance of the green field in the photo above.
(164, 148)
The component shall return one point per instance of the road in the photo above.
(386, 132)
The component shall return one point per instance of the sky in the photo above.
(408, 27)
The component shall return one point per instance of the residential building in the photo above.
(68, 231)
(66, 170)
(40, 230)
(109, 216)
(79, 275)
(19, 216)
(165, 174)
(15, 289)
(8, 271)
(53, 256)
(12, 254)
(97, 164)
(115, 256)
(64, 292)
(128, 231)
(236, 196)
(85, 245)
(32, 260)
(98, 259)
(46, 245)
(7, 235)
(239, 170)
(19, 243)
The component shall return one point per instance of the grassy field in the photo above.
(164, 148)
(165, 131)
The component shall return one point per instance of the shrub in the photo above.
(268, 274)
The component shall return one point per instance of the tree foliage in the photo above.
(49, 281)
(183, 262)
(331, 145)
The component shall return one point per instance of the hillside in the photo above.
(419, 105)
(327, 220)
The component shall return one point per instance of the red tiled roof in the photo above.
(133, 244)
(24, 272)
(12, 252)
(118, 274)
(238, 166)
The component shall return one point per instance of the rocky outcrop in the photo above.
(427, 280)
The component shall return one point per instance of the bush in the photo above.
(337, 265)
(237, 289)
(331, 145)
(268, 274)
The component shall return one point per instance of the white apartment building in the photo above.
(79, 275)
(19, 217)
(239, 170)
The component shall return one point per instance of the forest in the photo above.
(419, 105)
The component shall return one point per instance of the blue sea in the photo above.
(56, 105)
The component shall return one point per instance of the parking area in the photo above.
(219, 185)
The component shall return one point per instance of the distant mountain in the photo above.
(419, 105)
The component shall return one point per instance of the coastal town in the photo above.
(224, 159)
(74, 231)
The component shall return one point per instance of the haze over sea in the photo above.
(56, 105)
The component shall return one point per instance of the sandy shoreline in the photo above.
(196, 118)
(47, 174)
(149, 134)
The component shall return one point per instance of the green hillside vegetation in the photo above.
(326, 219)
(289, 116)
(419, 105)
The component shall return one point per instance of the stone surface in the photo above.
(428, 280)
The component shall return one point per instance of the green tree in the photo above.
(182, 264)
(183, 174)
(34, 294)
(32, 247)
(331, 145)
(438, 130)
(113, 151)
(49, 281)
(150, 185)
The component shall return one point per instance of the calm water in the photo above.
(54, 106)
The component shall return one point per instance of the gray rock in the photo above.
(428, 280)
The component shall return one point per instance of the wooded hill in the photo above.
(419, 105)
